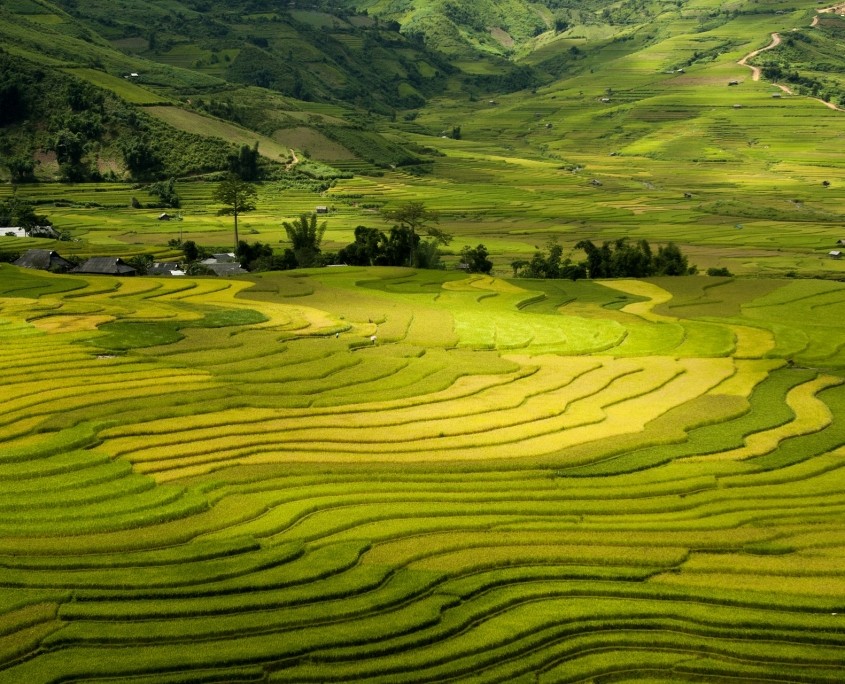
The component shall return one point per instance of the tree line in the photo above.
(613, 259)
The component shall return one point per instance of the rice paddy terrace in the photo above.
(210, 480)
(384, 475)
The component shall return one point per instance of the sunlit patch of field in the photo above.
(193, 122)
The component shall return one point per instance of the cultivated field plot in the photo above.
(386, 475)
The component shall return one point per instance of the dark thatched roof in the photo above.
(105, 266)
(224, 258)
(226, 269)
(44, 260)
(164, 268)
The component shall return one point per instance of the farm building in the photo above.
(222, 258)
(835, 254)
(224, 264)
(164, 216)
(226, 269)
(44, 260)
(321, 209)
(733, 83)
(841, 242)
(166, 268)
(105, 266)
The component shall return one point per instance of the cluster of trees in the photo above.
(617, 259)
(19, 212)
(403, 245)
(623, 259)
(399, 247)
(238, 196)
(245, 164)
(165, 194)
(549, 264)
(414, 240)
(805, 84)
(305, 235)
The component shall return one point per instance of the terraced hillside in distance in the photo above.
(391, 475)
(234, 480)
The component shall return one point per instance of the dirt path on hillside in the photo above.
(835, 9)
(294, 160)
(755, 71)
(776, 40)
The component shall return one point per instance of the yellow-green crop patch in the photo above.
(193, 122)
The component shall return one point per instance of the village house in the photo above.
(835, 254)
(166, 268)
(226, 269)
(44, 260)
(224, 264)
(105, 266)
(222, 258)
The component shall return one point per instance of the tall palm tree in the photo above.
(305, 236)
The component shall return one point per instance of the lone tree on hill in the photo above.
(239, 198)
(305, 236)
(414, 217)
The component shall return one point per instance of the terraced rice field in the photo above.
(518, 481)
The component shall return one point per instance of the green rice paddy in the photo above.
(228, 481)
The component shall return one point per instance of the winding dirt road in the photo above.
(755, 71)
(776, 40)
(835, 9)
